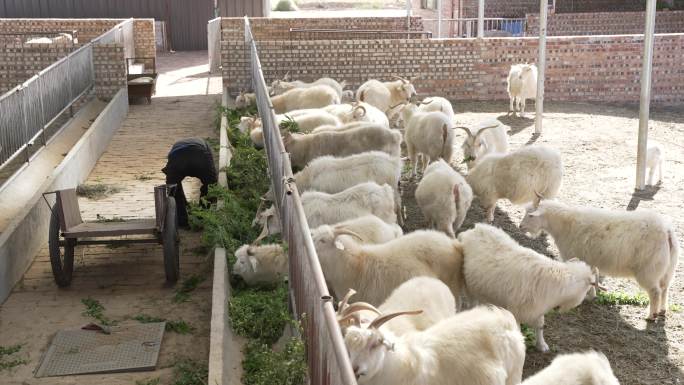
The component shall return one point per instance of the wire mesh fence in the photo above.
(27, 110)
(312, 304)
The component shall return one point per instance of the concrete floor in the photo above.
(128, 281)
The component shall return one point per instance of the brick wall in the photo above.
(606, 23)
(145, 39)
(600, 5)
(582, 69)
(279, 29)
(110, 69)
(19, 62)
(501, 8)
(88, 29)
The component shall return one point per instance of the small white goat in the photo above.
(245, 99)
(321, 208)
(305, 148)
(485, 138)
(261, 264)
(526, 175)
(358, 112)
(640, 244)
(430, 295)
(298, 98)
(347, 96)
(590, 368)
(384, 95)
(479, 346)
(427, 134)
(279, 87)
(522, 85)
(655, 156)
(499, 271)
(368, 229)
(437, 103)
(444, 197)
(307, 122)
(62, 38)
(375, 270)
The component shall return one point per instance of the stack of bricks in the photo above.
(580, 69)
(110, 69)
(19, 62)
(606, 23)
(145, 45)
(279, 29)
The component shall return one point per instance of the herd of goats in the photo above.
(408, 327)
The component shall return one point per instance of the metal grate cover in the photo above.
(126, 349)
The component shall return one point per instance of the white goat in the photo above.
(640, 244)
(384, 95)
(437, 103)
(375, 270)
(526, 175)
(479, 346)
(430, 295)
(358, 112)
(261, 264)
(347, 96)
(444, 197)
(298, 98)
(499, 271)
(368, 229)
(590, 368)
(427, 134)
(305, 148)
(279, 87)
(522, 85)
(245, 99)
(322, 208)
(485, 138)
(309, 121)
(62, 38)
(655, 156)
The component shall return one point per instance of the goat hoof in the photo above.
(652, 318)
(543, 347)
(662, 313)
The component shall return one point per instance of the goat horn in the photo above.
(396, 105)
(485, 129)
(343, 231)
(423, 102)
(264, 234)
(345, 300)
(382, 319)
(358, 306)
(466, 129)
(540, 196)
(400, 78)
(361, 108)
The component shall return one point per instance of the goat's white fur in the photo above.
(522, 85)
(427, 134)
(358, 112)
(384, 95)
(641, 244)
(499, 271)
(590, 368)
(298, 98)
(305, 148)
(488, 137)
(522, 176)
(278, 87)
(444, 197)
(245, 99)
(261, 264)
(655, 157)
(479, 346)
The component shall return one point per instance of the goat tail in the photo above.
(361, 98)
(445, 134)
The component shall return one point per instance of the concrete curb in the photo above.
(225, 349)
(28, 232)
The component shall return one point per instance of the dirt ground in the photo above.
(598, 144)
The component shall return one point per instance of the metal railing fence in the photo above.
(467, 27)
(28, 109)
(354, 34)
(214, 44)
(327, 357)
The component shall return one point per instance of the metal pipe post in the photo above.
(480, 18)
(645, 94)
(439, 19)
(541, 67)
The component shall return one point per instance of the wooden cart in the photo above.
(67, 230)
(142, 81)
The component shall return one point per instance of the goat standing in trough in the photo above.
(522, 85)
(640, 244)
(245, 99)
(526, 175)
(499, 271)
(444, 197)
(261, 264)
(482, 346)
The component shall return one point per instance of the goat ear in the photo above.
(457, 193)
(253, 262)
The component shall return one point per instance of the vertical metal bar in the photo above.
(541, 66)
(71, 89)
(480, 18)
(408, 18)
(41, 79)
(645, 104)
(27, 136)
(439, 19)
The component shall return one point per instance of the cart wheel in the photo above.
(61, 258)
(171, 242)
